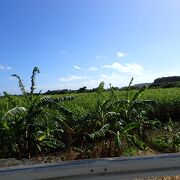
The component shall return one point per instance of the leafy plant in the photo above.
(126, 133)
(104, 118)
(174, 139)
(31, 128)
(120, 118)
(131, 109)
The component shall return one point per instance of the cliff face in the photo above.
(166, 82)
(167, 79)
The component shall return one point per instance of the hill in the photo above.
(166, 82)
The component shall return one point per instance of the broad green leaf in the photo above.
(101, 132)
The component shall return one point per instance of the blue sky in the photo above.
(79, 43)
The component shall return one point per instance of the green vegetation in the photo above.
(89, 124)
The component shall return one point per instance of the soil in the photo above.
(22, 162)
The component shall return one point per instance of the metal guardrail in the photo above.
(98, 169)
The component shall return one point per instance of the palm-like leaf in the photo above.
(101, 132)
(128, 89)
(33, 85)
(53, 104)
(52, 143)
(21, 85)
(138, 93)
(14, 112)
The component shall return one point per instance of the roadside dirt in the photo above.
(37, 160)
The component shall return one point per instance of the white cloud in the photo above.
(93, 69)
(8, 68)
(172, 73)
(77, 67)
(100, 57)
(72, 78)
(1, 67)
(63, 51)
(75, 82)
(121, 54)
(5, 67)
(114, 79)
(150, 76)
(109, 77)
(133, 68)
(11, 78)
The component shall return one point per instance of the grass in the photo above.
(168, 101)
